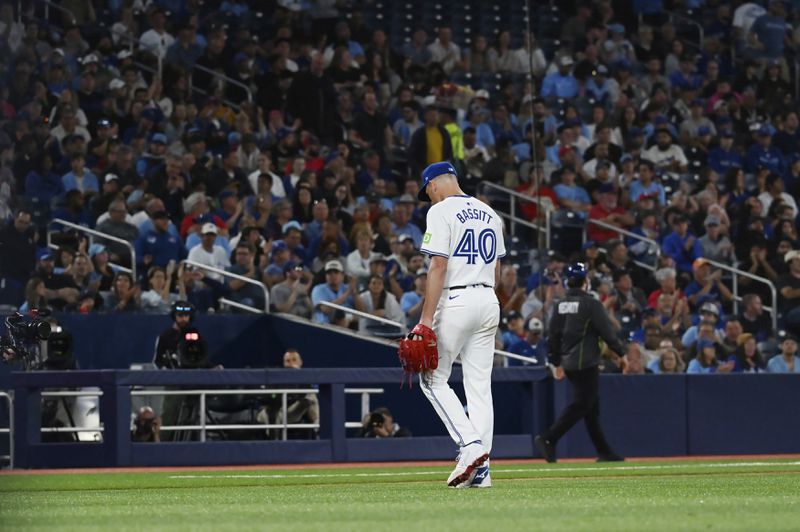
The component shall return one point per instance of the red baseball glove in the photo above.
(418, 351)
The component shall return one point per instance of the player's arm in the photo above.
(433, 292)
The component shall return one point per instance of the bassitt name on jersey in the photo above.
(473, 214)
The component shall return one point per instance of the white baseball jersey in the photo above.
(469, 234)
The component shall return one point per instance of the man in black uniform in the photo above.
(577, 325)
(166, 356)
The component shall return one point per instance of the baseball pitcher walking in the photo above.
(464, 239)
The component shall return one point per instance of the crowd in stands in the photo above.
(282, 141)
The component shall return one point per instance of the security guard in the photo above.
(579, 322)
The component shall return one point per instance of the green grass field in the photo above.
(711, 495)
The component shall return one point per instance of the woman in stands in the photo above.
(747, 358)
(377, 301)
(34, 296)
(706, 360)
(125, 295)
(669, 361)
(103, 273)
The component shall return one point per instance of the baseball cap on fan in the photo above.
(432, 172)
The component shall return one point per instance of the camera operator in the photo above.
(181, 347)
(380, 424)
(300, 407)
(147, 426)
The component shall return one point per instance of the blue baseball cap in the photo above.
(45, 254)
(158, 138)
(576, 270)
(279, 245)
(430, 173)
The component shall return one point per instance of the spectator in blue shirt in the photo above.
(80, 177)
(787, 361)
(334, 291)
(682, 245)
(706, 360)
(768, 32)
(726, 155)
(572, 197)
(411, 302)
(561, 84)
(41, 182)
(747, 358)
(157, 247)
(532, 346)
(764, 154)
(706, 285)
(403, 226)
(685, 76)
(645, 185)
(599, 86)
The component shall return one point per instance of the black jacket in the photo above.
(579, 322)
(418, 150)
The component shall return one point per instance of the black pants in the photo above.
(585, 405)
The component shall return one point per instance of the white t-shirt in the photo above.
(664, 158)
(217, 258)
(746, 14)
(766, 200)
(277, 190)
(357, 266)
(469, 234)
(156, 43)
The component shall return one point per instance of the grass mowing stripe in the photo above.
(494, 471)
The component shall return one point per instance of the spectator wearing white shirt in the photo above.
(264, 166)
(156, 40)
(666, 155)
(358, 260)
(209, 254)
(775, 190)
(444, 51)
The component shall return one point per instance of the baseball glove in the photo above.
(418, 351)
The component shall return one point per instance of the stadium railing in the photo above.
(400, 326)
(204, 426)
(512, 217)
(654, 245)
(47, 5)
(10, 430)
(736, 273)
(229, 302)
(94, 234)
(223, 77)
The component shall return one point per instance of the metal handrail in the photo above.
(361, 314)
(225, 78)
(690, 21)
(512, 215)
(203, 427)
(48, 4)
(10, 430)
(98, 234)
(242, 278)
(773, 310)
(515, 356)
(629, 234)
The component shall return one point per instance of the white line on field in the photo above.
(527, 470)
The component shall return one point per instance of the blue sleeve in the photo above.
(694, 366)
(697, 249)
(662, 195)
(669, 246)
(316, 295)
(751, 159)
(547, 86)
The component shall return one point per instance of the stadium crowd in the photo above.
(282, 142)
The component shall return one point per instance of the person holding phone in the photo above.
(292, 295)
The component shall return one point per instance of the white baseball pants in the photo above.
(465, 323)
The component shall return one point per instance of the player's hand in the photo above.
(559, 374)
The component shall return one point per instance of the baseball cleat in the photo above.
(471, 457)
(546, 449)
(481, 478)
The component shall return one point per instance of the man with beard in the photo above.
(666, 155)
